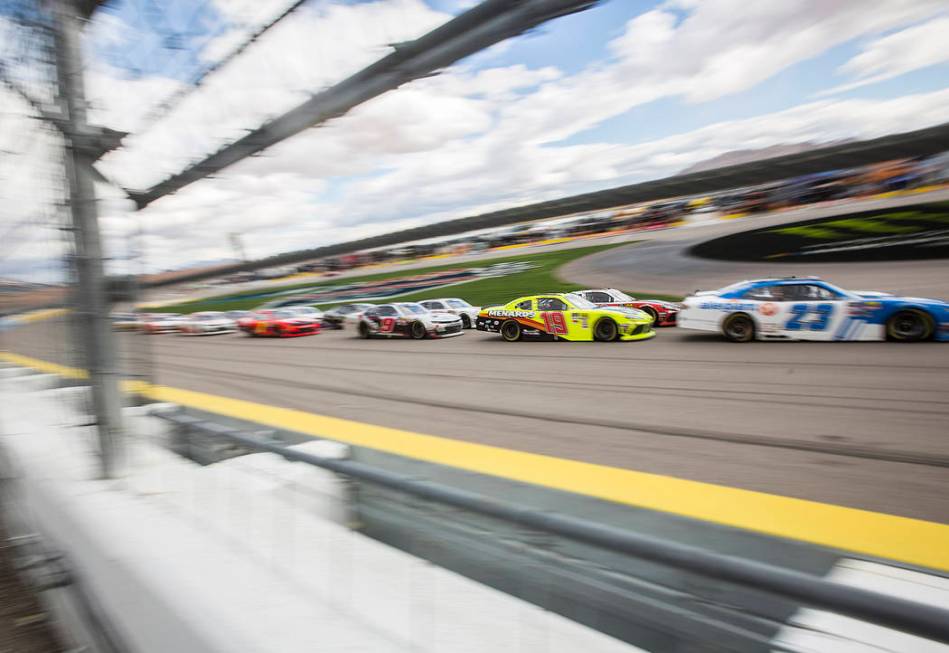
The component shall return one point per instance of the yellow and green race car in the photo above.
(564, 316)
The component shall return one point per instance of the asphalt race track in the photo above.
(863, 425)
(856, 424)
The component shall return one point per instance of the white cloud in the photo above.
(897, 54)
(475, 138)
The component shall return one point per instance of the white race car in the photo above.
(162, 323)
(309, 312)
(812, 309)
(339, 317)
(207, 323)
(408, 320)
(455, 306)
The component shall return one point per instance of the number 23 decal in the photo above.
(799, 312)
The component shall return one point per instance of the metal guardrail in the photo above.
(865, 605)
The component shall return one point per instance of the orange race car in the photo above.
(278, 323)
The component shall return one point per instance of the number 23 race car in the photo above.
(812, 309)
(564, 316)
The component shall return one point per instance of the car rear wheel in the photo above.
(511, 331)
(909, 326)
(605, 330)
(417, 331)
(364, 330)
(465, 322)
(651, 312)
(739, 328)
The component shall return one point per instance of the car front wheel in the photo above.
(417, 330)
(605, 330)
(909, 326)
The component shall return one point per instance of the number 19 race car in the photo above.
(408, 320)
(564, 316)
(812, 309)
(662, 313)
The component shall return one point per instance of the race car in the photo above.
(337, 318)
(564, 316)
(455, 306)
(662, 313)
(206, 323)
(812, 309)
(408, 320)
(279, 323)
(310, 312)
(162, 323)
(126, 322)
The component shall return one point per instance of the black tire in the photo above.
(739, 327)
(511, 330)
(605, 330)
(465, 321)
(651, 313)
(277, 331)
(911, 325)
(364, 331)
(417, 331)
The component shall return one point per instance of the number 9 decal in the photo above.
(387, 325)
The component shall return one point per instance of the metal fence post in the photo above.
(83, 146)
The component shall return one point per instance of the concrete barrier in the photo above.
(245, 555)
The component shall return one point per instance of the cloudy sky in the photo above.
(629, 90)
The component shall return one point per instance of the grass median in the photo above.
(539, 278)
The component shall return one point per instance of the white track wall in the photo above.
(248, 555)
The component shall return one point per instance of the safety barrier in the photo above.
(874, 607)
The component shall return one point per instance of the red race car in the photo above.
(663, 313)
(278, 323)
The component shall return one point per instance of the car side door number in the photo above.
(800, 312)
(554, 323)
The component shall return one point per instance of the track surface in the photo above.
(862, 424)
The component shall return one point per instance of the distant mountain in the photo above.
(737, 157)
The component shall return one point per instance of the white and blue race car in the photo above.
(812, 309)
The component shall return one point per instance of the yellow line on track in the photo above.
(902, 539)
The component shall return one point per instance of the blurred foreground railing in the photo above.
(872, 607)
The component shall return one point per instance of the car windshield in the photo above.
(621, 296)
(457, 303)
(283, 315)
(413, 309)
(580, 302)
(208, 316)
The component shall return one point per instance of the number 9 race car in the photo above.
(408, 320)
(564, 316)
(811, 309)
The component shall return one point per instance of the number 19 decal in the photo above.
(554, 324)
(822, 313)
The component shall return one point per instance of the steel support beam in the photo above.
(490, 22)
(83, 146)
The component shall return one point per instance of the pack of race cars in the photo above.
(790, 308)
